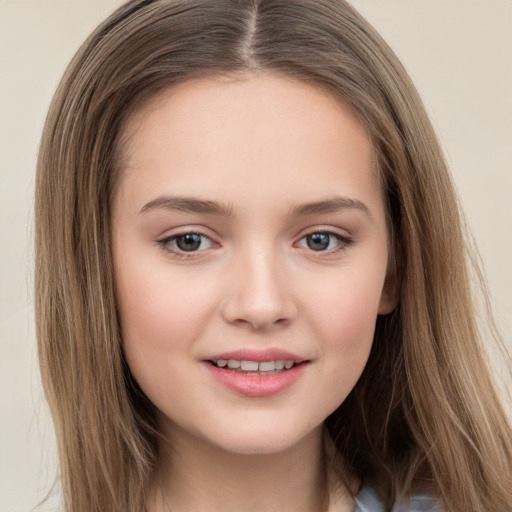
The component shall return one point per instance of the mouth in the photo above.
(257, 373)
(249, 367)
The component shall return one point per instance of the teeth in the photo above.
(250, 366)
(267, 366)
(254, 366)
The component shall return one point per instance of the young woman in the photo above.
(252, 282)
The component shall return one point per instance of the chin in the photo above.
(259, 440)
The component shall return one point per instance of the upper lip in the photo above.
(258, 355)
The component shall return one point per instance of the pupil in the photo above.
(318, 241)
(189, 242)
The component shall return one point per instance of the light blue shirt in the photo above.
(369, 501)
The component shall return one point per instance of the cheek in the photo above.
(162, 316)
(348, 319)
(153, 299)
(343, 313)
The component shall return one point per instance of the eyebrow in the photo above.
(194, 205)
(332, 205)
(188, 205)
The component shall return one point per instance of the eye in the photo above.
(186, 243)
(322, 241)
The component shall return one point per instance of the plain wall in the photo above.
(459, 52)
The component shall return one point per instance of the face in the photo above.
(250, 250)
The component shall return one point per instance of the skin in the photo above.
(260, 146)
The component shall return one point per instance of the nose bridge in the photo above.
(260, 296)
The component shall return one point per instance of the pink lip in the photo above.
(248, 354)
(257, 386)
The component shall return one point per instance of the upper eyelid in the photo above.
(180, 231)
(183, 233)
(177, 228)
(343, 233)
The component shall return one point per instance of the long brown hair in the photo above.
(424, 410)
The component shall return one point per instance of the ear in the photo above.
(390, 291)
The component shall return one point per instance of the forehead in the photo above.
(247, 133)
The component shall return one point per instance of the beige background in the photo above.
(458, 51)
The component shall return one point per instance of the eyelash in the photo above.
(165, 243)
(343, 241)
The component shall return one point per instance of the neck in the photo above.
(193, 475)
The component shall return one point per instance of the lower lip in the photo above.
(257, 385)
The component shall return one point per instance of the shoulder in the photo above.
(369, 501)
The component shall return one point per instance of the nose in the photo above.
(259, 294)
